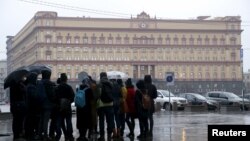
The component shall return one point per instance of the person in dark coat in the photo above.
(33, 114)
(83, 121)
(131, 114)
(141, 112)
(152, 91)
(18, 107)
(65, 91)
(47, 103)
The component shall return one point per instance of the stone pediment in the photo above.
(143, 15)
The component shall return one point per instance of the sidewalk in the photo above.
(169, 126)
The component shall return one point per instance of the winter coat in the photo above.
(152, 91)
(131, 99)
(141, 112)
(84, 116)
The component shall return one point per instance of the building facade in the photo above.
(3, 74)
(198, 50)
(246, 81)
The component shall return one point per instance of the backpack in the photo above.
(106, 92)
(80, 98)
(146, 101)
(117, 94)
(64, 106)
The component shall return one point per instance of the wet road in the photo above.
(170, 126)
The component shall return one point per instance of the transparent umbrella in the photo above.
(117, 75)
(82, 75)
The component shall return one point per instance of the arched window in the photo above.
(191, 40)
(199, 75)
(192, 75)
(233, 75)
(223, 75)
(183, 40)
(215, 75)
(233, 41)
(207, 75)
(214, 42)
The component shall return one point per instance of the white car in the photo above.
(163, 99)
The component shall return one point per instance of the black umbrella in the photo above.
(16, 75)
(38, 68)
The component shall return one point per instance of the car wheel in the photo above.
(166, 106)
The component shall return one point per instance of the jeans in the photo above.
(18, 111)
(130, 120)
(69, 128)
(44, 121)
(107, 112)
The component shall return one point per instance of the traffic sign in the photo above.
(170, 78)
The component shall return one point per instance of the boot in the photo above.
(118, 133)
(114, 133)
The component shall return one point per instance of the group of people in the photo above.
(42, 109)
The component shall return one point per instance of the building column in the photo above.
(139, 71)
(149, 69)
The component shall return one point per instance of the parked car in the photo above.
(197, 99)
(246, 96)
(163, 99)
(227, 98)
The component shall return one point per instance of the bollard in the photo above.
(174, 106)
(158, 106)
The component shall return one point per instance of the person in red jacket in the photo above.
(131, 114)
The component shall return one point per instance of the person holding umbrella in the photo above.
(18, 107)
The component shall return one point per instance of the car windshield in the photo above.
(200, 97)
(166, 93)
(231, 95)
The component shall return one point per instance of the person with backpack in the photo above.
(105, 106)
(83, 99)
(142, 108)
(65, 96)
(131, 113)
(46, 93)
(152, 91)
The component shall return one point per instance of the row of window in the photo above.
(142, 58)
(143, 50)
(177, 75)
(169, 68)
(144, 40)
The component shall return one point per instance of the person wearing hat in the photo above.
(47, 92)
(131, 113)
(142, 113)
(65, 93)
(152, 91)
(105, 108)
(83, 114)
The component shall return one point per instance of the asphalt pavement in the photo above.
(168, 126)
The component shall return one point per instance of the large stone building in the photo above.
(246, 81)
(3, 74)
(204, 53)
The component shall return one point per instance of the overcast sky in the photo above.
(14, 14)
